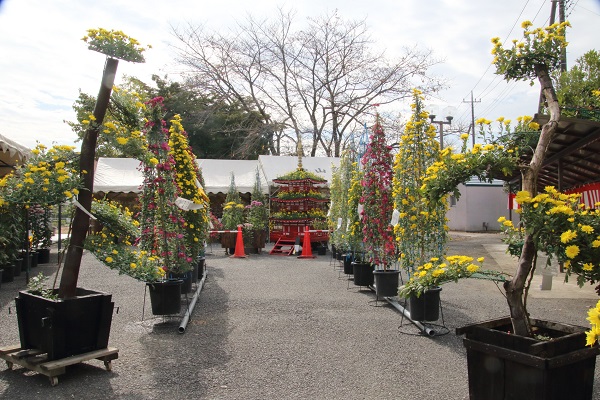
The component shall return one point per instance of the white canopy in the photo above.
(12, 154)
(217, 175)
(275, 166)
(123, 174)
(118, 175)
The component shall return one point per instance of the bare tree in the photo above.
(315, 82)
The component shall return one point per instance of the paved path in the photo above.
(269, 327)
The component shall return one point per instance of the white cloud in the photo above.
(44, 63)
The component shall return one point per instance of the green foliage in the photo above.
(114, 245)
(188, 177)
(39, 222)
(257, 213)
(115, 44)
(420, 232)
(355, 235)
(37, 285)
(575, 88)
(233, 209)
(162, 221)
(49, 177)
(300, 174)
(338, 211)
(442, 270)
(377, 200)
(539, 47)
(563, 227)
(13, 232)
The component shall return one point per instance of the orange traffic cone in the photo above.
(306, 247)
(239, 245)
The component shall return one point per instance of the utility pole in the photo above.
(563, 54)
(472, 116)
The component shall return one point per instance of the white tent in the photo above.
(124, 174)
(217, 175)
(11, 154)
(275, 166)
(118, 175)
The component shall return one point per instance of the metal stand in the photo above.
(427, 328)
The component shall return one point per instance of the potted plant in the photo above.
(558, 367)
(41, 231)
(257, 215)
(421, 231)
(377, 212)
(233, 216)
(195, 202)
(78, 320)
(162, 220)
(115, 245)
(11, 240)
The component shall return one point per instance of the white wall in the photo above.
(477, 204)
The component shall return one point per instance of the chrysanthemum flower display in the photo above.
(563, 227)
(188, 178)
(162, 221)
(377, 200)
(421, 231)
(50, 176)
(441, 270)
(338, 210)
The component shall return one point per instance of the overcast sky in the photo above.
(43, 62)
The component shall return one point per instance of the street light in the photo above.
(448, 121)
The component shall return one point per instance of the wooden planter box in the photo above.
(228, 240)
(63, 328)
(506, 366)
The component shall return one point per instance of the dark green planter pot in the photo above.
(348, 270)
(195, 273)
(9, 273)
(186, 278)
(425, 307)
(506, 366)
(363, 273)
(386, 282)
(33, 259)
(201, 267)
(43, 256)
(18, 267)
(63, 328)
(165, 297)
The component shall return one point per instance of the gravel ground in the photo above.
(272, 327)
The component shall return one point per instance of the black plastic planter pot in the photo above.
(186, 278)
(348, 270)
(33, 259)
(363, 273)
(63, 328)
(425, 307)
(506, 366)
(201, 266)
(386, 282)
(9, 273)
(165, 297)
(43, 256)
(195, 273)
(18, 267)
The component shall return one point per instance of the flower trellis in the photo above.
(161, 220)
(377, 200)
(421, 231)
(187, 178)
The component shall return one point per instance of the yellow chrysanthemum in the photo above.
(572, 251)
